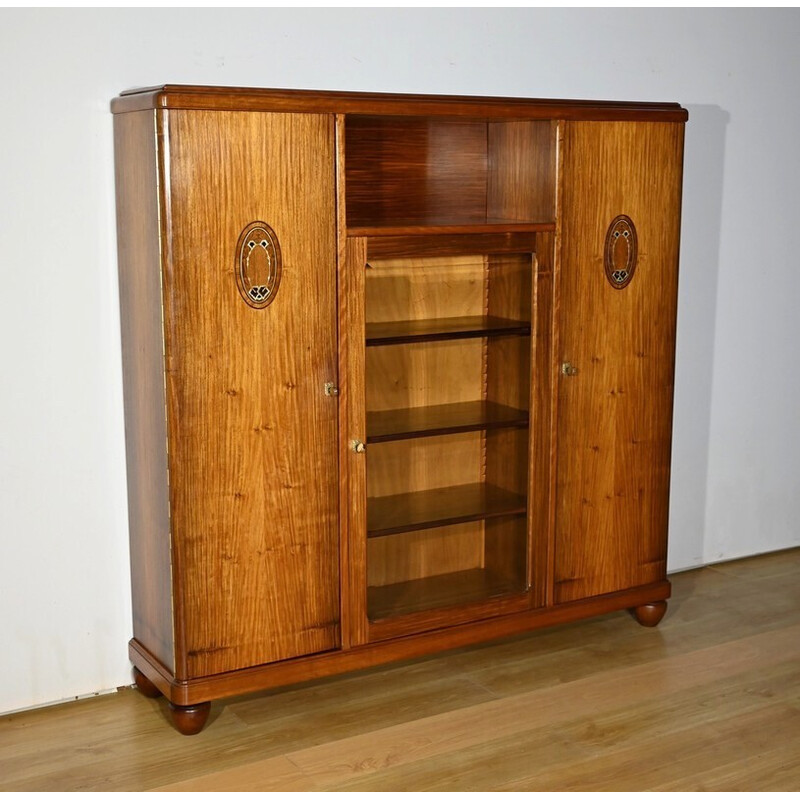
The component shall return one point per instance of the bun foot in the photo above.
(145, 685)
(189, 720)
(650, 614)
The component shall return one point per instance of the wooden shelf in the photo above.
(435, 508)
(390, 244)
(412, 423)
(438, 591)
(433, 330)
(438, 226)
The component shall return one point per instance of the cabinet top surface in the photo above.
(222, 98)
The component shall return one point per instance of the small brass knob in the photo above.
(357, 446)
(568, 369)
(331, 389)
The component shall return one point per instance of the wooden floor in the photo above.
(708, 700)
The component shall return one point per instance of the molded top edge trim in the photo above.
(170, 96)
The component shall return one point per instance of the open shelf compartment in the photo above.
(476, 585)
(435, 330)
(409, 173)
(411, 423)
(447, 422)
(433, 569)
(435, 508)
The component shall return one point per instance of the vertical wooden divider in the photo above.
(542, 419)
(352, 425)
(554, 371)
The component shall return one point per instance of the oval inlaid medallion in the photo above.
(258, 264)
(622, 246)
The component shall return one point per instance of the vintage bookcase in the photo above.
(398, 374)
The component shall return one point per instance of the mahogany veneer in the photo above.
(398, 374)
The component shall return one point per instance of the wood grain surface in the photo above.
(457, 588)
(541, 474)
(468, 238)
(222, 98)
(411, 469)
(423, 553)
(411, 423)
(433, 508)
(706, 701)
(450, 244)
(508, 381)
(414, 169)
(437, 330)
(353, 427)
(522, 170)
(254, 488)
(139, 180)
(615, 415)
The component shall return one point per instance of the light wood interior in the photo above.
(429, 374)
(425, 288)
(422, 554)
(414, 465)
(479, 559)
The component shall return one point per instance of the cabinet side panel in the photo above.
(615, 412)
(522, 170)
(143, 376)
(254, 459)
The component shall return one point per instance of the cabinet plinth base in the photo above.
(198, 691)
(650, 614)
(189, 720)
(145, 685)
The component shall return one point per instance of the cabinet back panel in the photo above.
(414, 465)
(414, 169)
(429, 171)
(254, 501)
(422, 554)
(615, 414)
(425, 288)
(430, 374)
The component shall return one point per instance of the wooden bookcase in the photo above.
(398, 374)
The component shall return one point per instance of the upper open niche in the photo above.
(430, 172)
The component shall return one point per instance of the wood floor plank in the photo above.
(656, 761)
(343, 708)
(554, 754)
(769, 565)
(707, 608)
(408, 742)
(77, 745)
(708, 700)
(269, 775)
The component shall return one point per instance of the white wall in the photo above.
(64, 588)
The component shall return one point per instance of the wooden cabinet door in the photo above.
(253, 436)
(615, 409)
